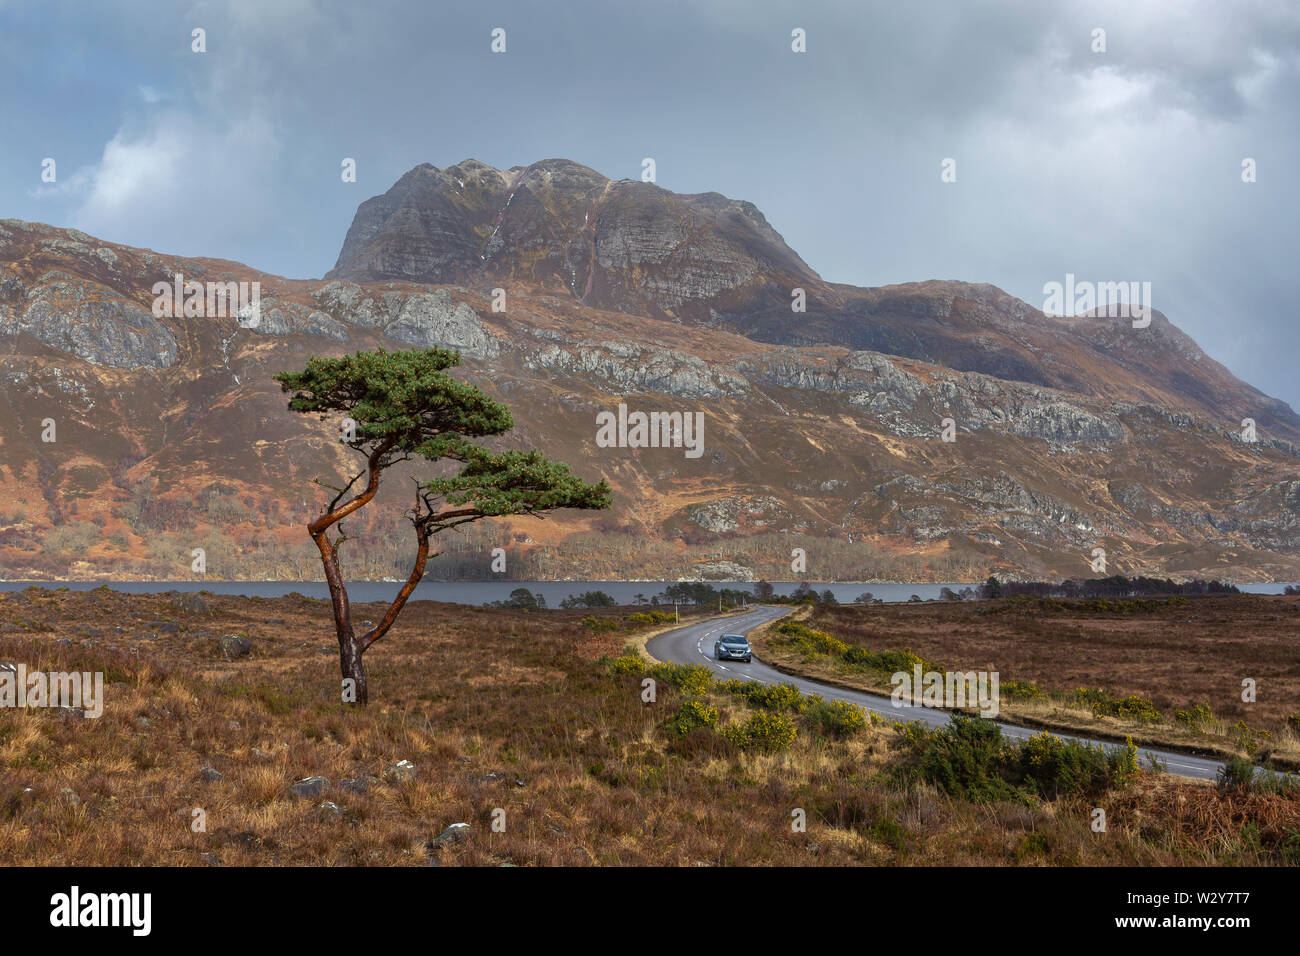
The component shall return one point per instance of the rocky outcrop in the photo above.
(422, 318)
(628, 367)
(86, 320)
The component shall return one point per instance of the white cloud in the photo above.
(180, 185)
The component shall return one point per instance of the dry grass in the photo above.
(498, 709)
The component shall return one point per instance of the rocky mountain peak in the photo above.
(621, 245)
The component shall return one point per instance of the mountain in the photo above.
(822, 429)
(711, 262)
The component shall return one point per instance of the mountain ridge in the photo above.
(172, 436)
(748, 280)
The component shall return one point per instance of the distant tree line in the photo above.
(1114, 586)
(704, 593)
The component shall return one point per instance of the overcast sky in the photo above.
(1122, 165)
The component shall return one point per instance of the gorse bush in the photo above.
(887, 662)
(1052, 766)
(1020, 690)
(690, 715)
(642, 619)
(836, 719)
(971, 760)
(764, 730)
(691, 680)
(627, 664)
(1194, 717)
(1105, 704)
(1247, 737)
(809, 640)
(782, 697)
(1238, 773)
(812, 643)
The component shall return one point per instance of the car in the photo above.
(733, 647)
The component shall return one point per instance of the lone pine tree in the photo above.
(405, 406)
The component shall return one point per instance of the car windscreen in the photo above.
(733, 639)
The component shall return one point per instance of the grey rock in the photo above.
(401, 772)
(310, 787)
(92, 323)
(211, 775)
(191, 603)
(235, 645)
(456, 833)
(432, 318)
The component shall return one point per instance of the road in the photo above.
(693, 644)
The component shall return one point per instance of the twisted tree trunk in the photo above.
(352, 645)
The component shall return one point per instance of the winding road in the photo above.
(693, 644)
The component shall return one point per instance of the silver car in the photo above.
(733, 647)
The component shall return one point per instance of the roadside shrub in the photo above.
(1105, 704)
(599, 624)
(692, 680)
(1020, 690)
(836, 719)
(913, 735)
(1194, 717)
(1052, 766)
(969, 759)
(887, 662)
(764, 730)
(1137, 708)
(811, 641)
(781, 697)
(689, 716)
(1246, 737)
(627, 664)
(648, 618)
(1237, 773)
